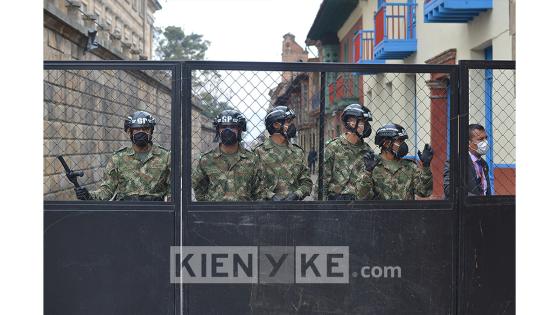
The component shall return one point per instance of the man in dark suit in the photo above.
(477, 172)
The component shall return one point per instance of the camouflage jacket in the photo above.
(395, 180)
(218, 177)
(126, 176)
(344, 163)
(284, 169)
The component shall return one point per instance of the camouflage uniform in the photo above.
(128, 177)
(284, 169)
(227, 177)
(395, 180)
(344, 165)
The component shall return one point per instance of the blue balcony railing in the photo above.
(395, 30)
(364, 42)
(454, 11)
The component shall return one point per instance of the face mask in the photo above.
(141, 139)
(291, 132)
(402, 151)
(482, 147)
(228, 137)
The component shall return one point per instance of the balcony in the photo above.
(364, 41)
(395, 30)
(345, 90)
(454, 11)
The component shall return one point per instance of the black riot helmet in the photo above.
(390, 132)
(278, 114)
(360, 112)
(230, 118)
(139, 119)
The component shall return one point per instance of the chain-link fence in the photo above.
(420, 102)
(84, 114)
(85, 109)
(492, 120)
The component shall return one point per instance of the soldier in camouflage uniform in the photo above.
(228, 172)
(344, 155)
(285, 172)
(139, 172)
(389, 176)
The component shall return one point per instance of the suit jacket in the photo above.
(474, 186)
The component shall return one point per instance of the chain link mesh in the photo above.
(492, 105)
(417, 101)
(84, 113)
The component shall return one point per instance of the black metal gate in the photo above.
(114, 257)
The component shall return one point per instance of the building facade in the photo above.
(417, 32)
(125, 29)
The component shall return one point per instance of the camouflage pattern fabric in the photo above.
(284, 169)
(395, 180)
(227, 177)
(127, 176)
(344, 165)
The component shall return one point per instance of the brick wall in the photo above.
(84, 112)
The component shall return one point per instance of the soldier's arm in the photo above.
(305, 184)
(167, 196)
(328, 169)
(109, 182)
(258, 191)
(200, 182)
(364, 186)
(266, 190)
(423, 181)
(446, 179)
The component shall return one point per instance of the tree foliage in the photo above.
(173, 44)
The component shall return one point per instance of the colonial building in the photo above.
(124, 29)
(415, 32)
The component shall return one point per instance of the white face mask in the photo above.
(482, 147)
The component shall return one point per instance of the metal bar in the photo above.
(321, 137)
(318, 67)
(176, 106)
(97, 205)
(187, 134)
(454, 171)
(460, 187)
(109, 65)
(323, 206)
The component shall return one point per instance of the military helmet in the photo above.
(230, 118)
(277, 114)
(356, 110)
(390, 131)
(139, 119)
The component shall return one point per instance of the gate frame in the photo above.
(318, 205)
(465, 202)
(128, 205)
(181, 110)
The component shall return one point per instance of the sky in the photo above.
(241, 30)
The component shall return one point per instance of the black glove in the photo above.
(370, 161)
(276, 197)
(291, 197)
(427, 155)
(82, 193)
